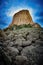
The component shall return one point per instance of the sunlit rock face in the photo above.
(22, 17)
(36, 25)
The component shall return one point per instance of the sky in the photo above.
(9, 7)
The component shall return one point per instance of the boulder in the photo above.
(6, 60)
(41, 35)
(39, 42)
(12, 51)
(26, 43)
(10, 44)
(21, 60)
(18, 42)
(34, 54)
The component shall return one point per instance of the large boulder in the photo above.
(12, 51)
(21, 60)
(34, 54)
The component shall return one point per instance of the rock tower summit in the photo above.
(22, 17)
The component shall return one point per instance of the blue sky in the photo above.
(9, 7)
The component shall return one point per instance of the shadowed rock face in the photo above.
(22, 17)
(36, 25)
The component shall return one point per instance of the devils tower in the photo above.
(22, 17)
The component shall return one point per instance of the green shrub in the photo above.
(23, 26)
(20, 26)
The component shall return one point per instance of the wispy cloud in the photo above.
(11, 11)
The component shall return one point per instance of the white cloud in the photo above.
(12, 11)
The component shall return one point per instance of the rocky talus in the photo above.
(21, 47)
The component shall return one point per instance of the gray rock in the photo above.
(21, 60)
(18, 42)
(26, 43)
(2, 34)
(33, 36)
(6, 42)
(25, 34)
(10, 44)
(34, 54)
(29, 37)
(12, 51)
(41, 35)
(10, 36)
(39, 42)
(5, 58)
(26, 51)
